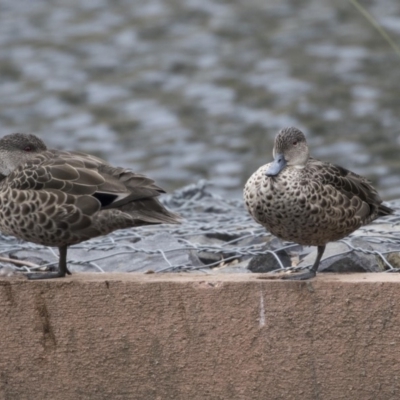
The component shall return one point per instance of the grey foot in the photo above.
(300, 276)
(47, 275)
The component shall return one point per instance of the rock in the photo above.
(33, 256)
(210, 242)
(268, 262)
(208, 258)
(150, 257)
(393, 259)
(7, 271)
(233, 267)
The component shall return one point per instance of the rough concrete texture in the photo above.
(131, 336)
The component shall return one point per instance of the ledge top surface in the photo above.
(198, 277)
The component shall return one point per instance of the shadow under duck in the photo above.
(307, 201)
(59, 198)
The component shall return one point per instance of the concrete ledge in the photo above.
(131, 336)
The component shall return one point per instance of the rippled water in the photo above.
(191, 89)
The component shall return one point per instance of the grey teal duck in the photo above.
(307, 201)
(59, 198)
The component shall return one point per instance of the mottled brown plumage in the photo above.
(307, 201)
(59, 198)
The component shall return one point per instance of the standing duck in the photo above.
(307, 201)
(59, 198)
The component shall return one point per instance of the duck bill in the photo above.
(276, 166)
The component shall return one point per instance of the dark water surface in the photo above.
(191, 89)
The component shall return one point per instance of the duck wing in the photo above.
(79, 174)
(356, 188)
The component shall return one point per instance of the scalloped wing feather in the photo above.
(79, 174)
(362, 195)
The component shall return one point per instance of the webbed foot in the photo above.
(48, 275)
(300, 276)
(62, 268)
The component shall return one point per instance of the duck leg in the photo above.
(62, 268)
(310, 273)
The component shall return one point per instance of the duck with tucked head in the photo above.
(307, 201)
(59, 198)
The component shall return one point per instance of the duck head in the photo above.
(16, 149)
(290, 149)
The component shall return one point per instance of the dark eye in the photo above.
(295, 143)
(28, 148)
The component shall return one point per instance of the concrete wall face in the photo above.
(196, 337)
